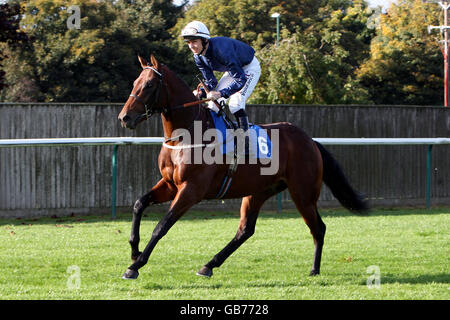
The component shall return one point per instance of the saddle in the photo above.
(258, 139)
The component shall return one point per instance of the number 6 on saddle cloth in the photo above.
(260, 142)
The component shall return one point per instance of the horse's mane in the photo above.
(173, 75)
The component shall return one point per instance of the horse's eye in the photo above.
(148, 84)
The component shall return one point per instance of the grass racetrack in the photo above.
(389, 254)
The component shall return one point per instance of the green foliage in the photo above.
(96, 62)
(10, 33)
(323, 43)
(296, 72)
(317, 64)
(405, 65)
(331, 51)
(248, 20)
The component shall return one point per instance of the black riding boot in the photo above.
(242, 120)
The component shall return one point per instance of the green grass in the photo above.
(409, 246)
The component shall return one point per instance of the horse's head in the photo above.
(144, 97)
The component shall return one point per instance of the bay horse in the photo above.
(303, 165)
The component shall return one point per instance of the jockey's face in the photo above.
(195, 45)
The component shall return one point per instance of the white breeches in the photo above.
(237, 100)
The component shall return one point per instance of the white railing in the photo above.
(117, 141)
(383, 141)
(159, 140)
(78, 141)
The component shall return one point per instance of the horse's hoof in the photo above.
(205, 272)
(130, 274)
(314, 273)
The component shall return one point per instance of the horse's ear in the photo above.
(155, 62)
(143, 62)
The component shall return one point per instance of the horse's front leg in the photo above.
(185, 199)
(161, 192)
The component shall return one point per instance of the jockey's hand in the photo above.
(201, 94)
(214, 95)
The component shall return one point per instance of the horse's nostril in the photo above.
(126, 118)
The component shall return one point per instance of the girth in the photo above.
(226, 183)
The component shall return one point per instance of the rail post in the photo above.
(279, 206)
(114, 181)
(428, 186)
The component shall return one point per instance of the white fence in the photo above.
(159, 140)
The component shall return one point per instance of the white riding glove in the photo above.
(214, 95)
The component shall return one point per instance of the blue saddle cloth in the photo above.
(258, 138)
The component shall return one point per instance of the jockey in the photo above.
(236, 59)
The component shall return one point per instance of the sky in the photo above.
(384, 3)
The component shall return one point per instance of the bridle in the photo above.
(149, 111)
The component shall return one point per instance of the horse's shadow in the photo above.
(421, 279)
(385, 279)
(218, 285)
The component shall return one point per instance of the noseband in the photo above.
(149, 111)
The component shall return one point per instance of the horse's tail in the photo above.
(334, 178)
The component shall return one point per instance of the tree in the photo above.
(96, 62)
(323, 43)
(317, 65)
(405, 65)
(248, 20)
(10, 33)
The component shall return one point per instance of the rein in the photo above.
(149, 111)
(189, 104)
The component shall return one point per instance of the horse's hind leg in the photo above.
(249, 213)
(316, 226)
(318, 234)
(304, 180)
(160, 193)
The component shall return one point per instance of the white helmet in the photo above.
(194, 30)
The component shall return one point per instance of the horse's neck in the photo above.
(178, 93)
